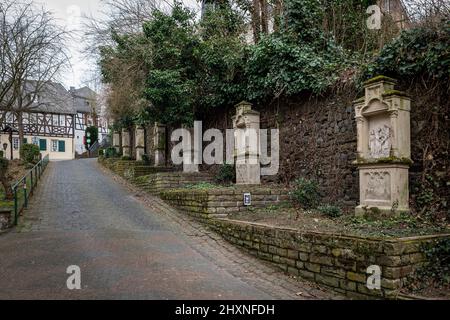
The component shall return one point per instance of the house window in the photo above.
(35, 140)
(58, 146)
(43, 144)
(61, 146)
(54, 145)
(16, 143)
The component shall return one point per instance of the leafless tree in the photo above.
(427, 12)
(121, 17)
(33, 54)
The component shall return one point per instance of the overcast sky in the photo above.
(69, 14)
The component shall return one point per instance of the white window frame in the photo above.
(35, 140)
(15, 143)
(54, 146)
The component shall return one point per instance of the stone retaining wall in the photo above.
(153, 179)
(160, 181)
(222, 200)
(336, 261)
(120, 166)
(136, 171)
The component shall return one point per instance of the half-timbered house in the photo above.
(48, 123)
(56, 122)
(88, 113)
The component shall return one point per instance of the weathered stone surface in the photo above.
(357, 277)
(126, 143)
(246, 126)
(321, 259)
(390, 283)
(391, 261)
(362, 288)
(397, 272)
(312, 267)
(329, 281)
(347, 285)
(306, 274)
(333, 271)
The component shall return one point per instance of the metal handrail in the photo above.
(34, 175)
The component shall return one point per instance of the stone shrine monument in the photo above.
(189, 165)
(126, 145)
(246, 144)
(383, 147)
(139, 142)
(116, 141)
(159, 144)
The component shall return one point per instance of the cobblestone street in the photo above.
(129, 245)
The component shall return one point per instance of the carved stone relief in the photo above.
(378, 186)
(380, 141)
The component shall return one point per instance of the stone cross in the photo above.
(383, 147)
(246, 147)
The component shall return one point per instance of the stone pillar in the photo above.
(189, 150)
(126, 147)
(246, 147)
(139, 142)
(159, 144)
(116, 141)
(384, 148)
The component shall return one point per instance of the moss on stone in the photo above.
(380, 78)
(395, 93)
(392, 160)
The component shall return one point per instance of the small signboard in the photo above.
(247, 199)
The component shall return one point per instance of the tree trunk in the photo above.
(256, 20)
(21, 134)
(277, 16)
(264, 16)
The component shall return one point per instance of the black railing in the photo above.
(24, 187)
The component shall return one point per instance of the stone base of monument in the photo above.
(384, 189)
